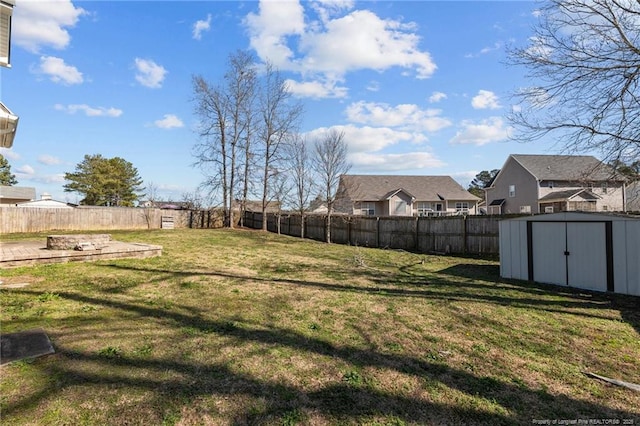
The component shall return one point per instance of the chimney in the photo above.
(45, 196)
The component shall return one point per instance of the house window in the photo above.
(368, 209)
(424, 209)
(548, 209)
(512, 190)
(605, 208)
(401, 207)
(604, 187)
(462, 206)
(525, 209)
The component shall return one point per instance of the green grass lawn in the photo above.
(244, 327)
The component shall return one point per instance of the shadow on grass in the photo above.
(628, 306)
(339, 400)
(436, 288)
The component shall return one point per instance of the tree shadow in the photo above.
(341, 400)
(438, 288)
(627, 305)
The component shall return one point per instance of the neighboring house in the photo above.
(389, 195)
(255, 206)
(46, 202)
(16, 194)
(633, 197)
(555, 183)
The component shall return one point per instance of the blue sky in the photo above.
(418, 87)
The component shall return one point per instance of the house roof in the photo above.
(26, 193)
(423, 188)
(566, 167)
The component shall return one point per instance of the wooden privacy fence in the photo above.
(452, 234)
(32, 219)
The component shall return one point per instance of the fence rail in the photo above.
(450, 234)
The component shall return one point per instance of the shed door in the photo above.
(587, 259)
(549, 245)
(572, 253)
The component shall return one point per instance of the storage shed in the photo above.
(585, 250)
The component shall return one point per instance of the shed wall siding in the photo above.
(625, 236)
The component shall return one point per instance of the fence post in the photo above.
(464, 235)
(377, 231)
(417, 235)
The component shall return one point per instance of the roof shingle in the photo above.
(423, 188)
(566, 167)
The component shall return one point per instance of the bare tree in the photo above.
(301, 176)
(151, 194)
(584, 59)
(241, 85)
(211, 152)
(329, 163)
(224, 113)
(193, 200)
(279, 117)
(280, 188)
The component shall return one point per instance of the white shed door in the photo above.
(587, 259)
(549, 245)
(572, 253)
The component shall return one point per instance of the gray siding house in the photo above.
(390, 195)
(555, 183)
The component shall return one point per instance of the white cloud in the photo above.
(200, 26)
(278, 33)
(44, 23)
(380, 163)
(48, 160)
(327, 8)
(269, 28)
(25, 171)
(374, 43)
(88, 110)
(490, 130)
(9, 154)
(373, 86)
(169, 121)
(316, 89)
(57, 178)
(485, 50)
(149, 74)
(437, 97)
(403, 115)
(369, 139)
(58, 71)
(485, 99)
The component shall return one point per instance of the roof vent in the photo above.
(45, 196)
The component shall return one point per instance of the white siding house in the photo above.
(592, 251)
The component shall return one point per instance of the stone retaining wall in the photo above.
(77, 241)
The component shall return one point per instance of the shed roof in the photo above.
(566, 167)
(423, 188)
(575, 217)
